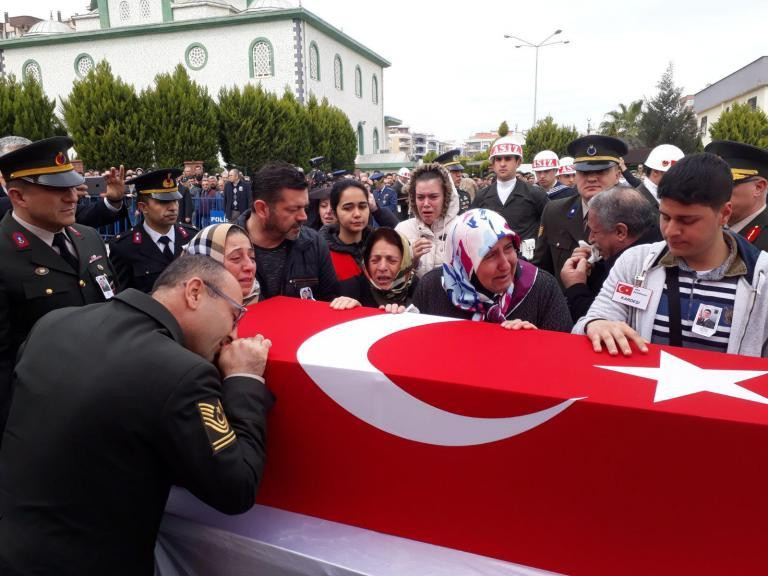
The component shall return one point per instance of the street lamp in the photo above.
(526, 44)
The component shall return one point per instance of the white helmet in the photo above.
(545, 160)
(663, 157)
(525, 169)
(404, 172)
(566, 166)
(506, 146)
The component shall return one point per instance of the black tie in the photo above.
(167, 252)
(60, 241)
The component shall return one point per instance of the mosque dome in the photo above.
(48, 28)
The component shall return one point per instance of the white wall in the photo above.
(714, 113)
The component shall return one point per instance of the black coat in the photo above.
(360, 289)
(88, 212)
(137, 259)
(34, 280)
(757, 231)
(236, 197)
(522, 210)
(90, 454)
(562, 226)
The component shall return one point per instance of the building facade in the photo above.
(747, 85)
(221, 43)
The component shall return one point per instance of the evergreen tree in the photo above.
(742, 123)
(293, 141)
(547, 135)
(319, 130)
(25, 110)
(667, 120)
(503, 129)
(103, 116)
(331, 135)
(429, 156)
(182, 119)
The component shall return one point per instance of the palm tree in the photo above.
(624, 122)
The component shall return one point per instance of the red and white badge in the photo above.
(634, 296)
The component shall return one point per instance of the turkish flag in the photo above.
(625, 288)
(616, 480)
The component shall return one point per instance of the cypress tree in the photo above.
(182, 120)
(25, 110)
(104, 117)
(742, 123)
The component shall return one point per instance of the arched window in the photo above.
(358, 82)
(338, 73)
(375, 89)
(125, 11)
(145, 9)
(83, 65)
(375, 140)
(314, 61)
(31, 69)
(262, 58)
(360, 139)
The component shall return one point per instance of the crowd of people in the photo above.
(121, 370)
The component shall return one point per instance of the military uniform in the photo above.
(34, 278)
(562, 226)
(756, 232)
(135, 255)
(110, 410)
(522, 210)
(139, 261)
(450, 161)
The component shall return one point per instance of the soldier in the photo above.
(141, 254)
(545, 165)
(566, 180)
(49, 261)
(660, 159)
(749, 165)
(519, 202)
(564, 221)
(450, 161)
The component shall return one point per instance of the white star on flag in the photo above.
(676, 377)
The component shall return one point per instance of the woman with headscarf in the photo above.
(229, 245)
(388, 280)
(483, 280)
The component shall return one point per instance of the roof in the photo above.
(23, 21)
(483, 136)
(244, 18)
(48, 27)
(752, 76)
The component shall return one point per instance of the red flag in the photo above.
(625, 288)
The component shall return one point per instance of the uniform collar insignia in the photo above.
(20, 241)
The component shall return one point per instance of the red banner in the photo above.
(525, 446)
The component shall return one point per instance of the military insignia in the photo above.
(541, 230)
(753, 233)
(94, 257)
(572, 212)
(41, 270)
(74, 231)
(136, 238)
(99, 267)
(591, 150)
(60, 159)
(168, 182)
(20, 240)
(216, 425)
(183, 232)
(728, 315)
(665, 163)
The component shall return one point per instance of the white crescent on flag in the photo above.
(336, 359)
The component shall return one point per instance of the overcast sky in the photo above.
(453, 73)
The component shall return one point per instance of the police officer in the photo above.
(48, 261)
(564, 221)
(140, 255)
(749, 166)
(450, 160)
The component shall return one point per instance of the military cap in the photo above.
(746, 161)
(596, 152)
(450, 160)
(377, 176)
(45, 162)
(158, 184)
(336, 174)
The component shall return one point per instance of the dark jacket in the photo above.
(522, 210)
(90, 454)
(581, 296)
(137, 259)
(309, 266)
(359, 288)
(236, 197)
(756, 232)
(34, 280)
(346, 257)
(544, 306)
(88, 212)
(562, 226)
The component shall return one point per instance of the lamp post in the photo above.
(526, 44)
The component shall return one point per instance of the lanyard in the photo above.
(673, 299)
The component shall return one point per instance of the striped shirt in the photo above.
(698, 293)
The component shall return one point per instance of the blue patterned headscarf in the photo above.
(472, 235)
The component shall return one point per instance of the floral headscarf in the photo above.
(398, 292)
(471, 237)
(210, 242)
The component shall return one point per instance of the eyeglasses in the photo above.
(241, 310)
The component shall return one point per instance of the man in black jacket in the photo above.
(291, 259)
(89, 455)
(619, 218)
(237, 194)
